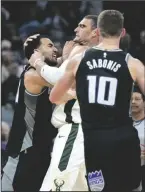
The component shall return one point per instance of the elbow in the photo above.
(52, 99)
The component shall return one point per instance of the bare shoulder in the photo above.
(135, 67)
(134, 62)
(77, 49)
(30, 75)
(33, 78)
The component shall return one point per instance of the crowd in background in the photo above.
(58, 20)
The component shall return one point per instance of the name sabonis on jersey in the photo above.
(103, 63)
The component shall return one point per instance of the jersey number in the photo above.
(107, 87)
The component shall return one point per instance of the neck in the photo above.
(109, 43)
(92, 42)
(138, 116)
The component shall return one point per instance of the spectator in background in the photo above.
(59, 24)
(138, 115)
(125, 42)
(31, 26)
(142, 47)
(5, 129)
(9, 77)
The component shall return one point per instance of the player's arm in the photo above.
(137, 70)
(34, 83)
(71, 94)
(140, 75)
(65, 82)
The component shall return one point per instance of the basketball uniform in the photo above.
(30, 141)
(67, 168)
(104, 87)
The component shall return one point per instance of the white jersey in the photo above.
(66, 113)
(140, 126)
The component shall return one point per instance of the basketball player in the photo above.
(31, 135)
(104, 79)
(138, 115)
(66, 171)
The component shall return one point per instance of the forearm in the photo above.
(71, 94)
(50, 74)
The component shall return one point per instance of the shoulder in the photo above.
(134, 62)
(30, 74)
(135, 66)
(77, 49)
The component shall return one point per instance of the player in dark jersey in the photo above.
(104, 79)
(31, 135)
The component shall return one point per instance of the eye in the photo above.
(82, 26)
(50, 45)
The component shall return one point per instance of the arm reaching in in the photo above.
(66, 81)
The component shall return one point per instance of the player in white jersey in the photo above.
(138, 115)
(67, 170)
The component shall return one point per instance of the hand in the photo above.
(69, 45)
(36, 56)
(31, 38)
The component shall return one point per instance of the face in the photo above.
(142, 37)
(48, 51)
(137, 102)
(84, 31)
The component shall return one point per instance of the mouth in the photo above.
(54, 56)
(134, 106)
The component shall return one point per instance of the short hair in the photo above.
(94, 19)
(137, 90)
(32, 45)
(110, 23)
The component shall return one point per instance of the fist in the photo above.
(68, 47)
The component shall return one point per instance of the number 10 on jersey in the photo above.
(103, 96)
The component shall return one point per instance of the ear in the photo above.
(98, 32)
(94, 33)
(123, 33)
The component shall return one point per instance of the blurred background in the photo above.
(57, 19)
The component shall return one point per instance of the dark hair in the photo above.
(110, 23)
(137, 89)
(125, 42)
(31, 45)
(94, 19)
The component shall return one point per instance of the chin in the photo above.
(51, 62)
(76, 39)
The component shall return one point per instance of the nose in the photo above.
(55, 50)
(76, 29)
(133, 101)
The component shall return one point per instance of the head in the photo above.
(138, 101)
(142, 37)
(110, 24)
(125, 42)
(86, 29)
(43, 45)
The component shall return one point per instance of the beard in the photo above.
(50, 62)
